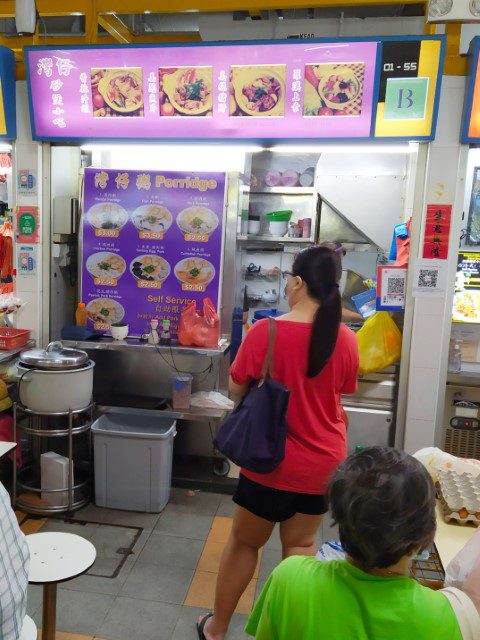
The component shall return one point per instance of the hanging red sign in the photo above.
(437, 231)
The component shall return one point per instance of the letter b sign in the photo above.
(406, 98)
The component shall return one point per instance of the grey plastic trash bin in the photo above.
(133, 461)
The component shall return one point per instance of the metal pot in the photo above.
(56, 380)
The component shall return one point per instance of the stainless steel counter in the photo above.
(131, 344)
(5, 356)
(371, 411)
(469, 376)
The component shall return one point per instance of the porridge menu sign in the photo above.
(152, 243)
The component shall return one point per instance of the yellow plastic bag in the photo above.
(379, 343)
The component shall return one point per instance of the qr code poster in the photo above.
(430, 278)
(391, 288)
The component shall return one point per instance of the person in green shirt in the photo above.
(383, 501)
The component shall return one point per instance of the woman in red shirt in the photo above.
(316, 357)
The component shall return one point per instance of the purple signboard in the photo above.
(260, 91)
(152, 242)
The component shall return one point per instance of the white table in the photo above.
(54, 558)
(6, 447)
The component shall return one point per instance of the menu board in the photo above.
(312, 89)
(466, 302)
(471, 111)
(152, 243)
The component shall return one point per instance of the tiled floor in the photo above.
(165, 583)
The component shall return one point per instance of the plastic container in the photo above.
(261, 314)
(133, 460)
(278, 228)
(254, 225)
(181, 390)
(280, 216)
(81, 315)
(54, 475)
(306, 227)
(290, 178)
(13, 338)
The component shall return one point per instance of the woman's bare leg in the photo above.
(299, 535)
(237, 566)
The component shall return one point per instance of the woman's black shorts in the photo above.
(276, 505)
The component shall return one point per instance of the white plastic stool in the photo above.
(29, 630)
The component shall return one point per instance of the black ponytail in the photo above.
(321, 269)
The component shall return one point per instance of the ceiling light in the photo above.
(147, 12)
(217, 147)
(439, 8)
(343, 149)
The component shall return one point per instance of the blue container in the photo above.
(261, 314)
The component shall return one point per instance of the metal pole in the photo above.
(70, 460)
(14, 489)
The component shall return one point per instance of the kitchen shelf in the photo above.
(109, 344)
(274, 239)
(37, 427)
(191, 415)
(286, 191)
(12, 353)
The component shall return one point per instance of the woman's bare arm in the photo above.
(350, 316)
(237, 391)
(472, 584)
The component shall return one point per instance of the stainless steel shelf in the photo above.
(463, 379)
(287, 191)
(50, 414)
(274, 239)
(12, 353)
(109, 344)
(192, 415)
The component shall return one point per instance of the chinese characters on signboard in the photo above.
(242, 91)
(437, 231)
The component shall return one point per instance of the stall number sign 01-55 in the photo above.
(27, 224)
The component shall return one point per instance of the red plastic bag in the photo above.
(199, 328)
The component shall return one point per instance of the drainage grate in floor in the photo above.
(114, 543)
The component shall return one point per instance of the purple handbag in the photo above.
(255, 433)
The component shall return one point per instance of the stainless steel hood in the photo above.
(334, 225)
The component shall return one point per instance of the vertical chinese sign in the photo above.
(437, 231)
(152, 243)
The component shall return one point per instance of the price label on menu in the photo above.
(198, 288)
(106, 233)
(151, 235)
(149, 284)
(101, 326)
(106, 282)
(196, 237)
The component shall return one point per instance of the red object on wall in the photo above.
(437, 231)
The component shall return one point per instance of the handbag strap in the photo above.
(267, 369)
